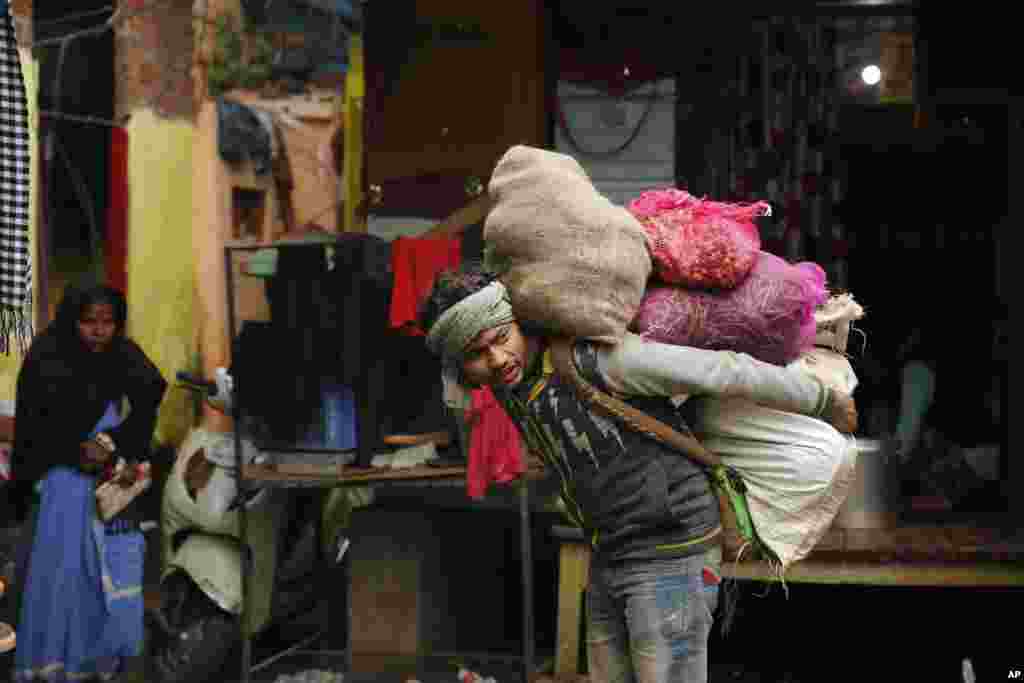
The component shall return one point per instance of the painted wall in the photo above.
(451, 85)
(161, 286)
(640, 125)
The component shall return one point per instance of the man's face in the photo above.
(497, 356)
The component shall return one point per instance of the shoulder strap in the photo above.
(637, 420)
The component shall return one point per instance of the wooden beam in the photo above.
(467, 216)
(21, 16)
(211, 229)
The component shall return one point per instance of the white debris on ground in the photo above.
(311, 676)
(318, 676)
(465, 676)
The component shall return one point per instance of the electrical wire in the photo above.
(82, 190)
(570, 137)
(74, 16)
(116, 18)
(79, 118)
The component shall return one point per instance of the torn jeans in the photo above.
(649, 621)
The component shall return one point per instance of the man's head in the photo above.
(470, 324)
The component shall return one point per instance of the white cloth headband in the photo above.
(460, 324)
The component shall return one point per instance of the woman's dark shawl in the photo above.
(63, 390)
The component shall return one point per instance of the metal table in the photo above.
(264, 476)
(421, 476)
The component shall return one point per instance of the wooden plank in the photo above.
(349, 475)
(316, 192)
(972, 540)
(920, 541)
(308, 469)
(897, 573)
(211, 228)
(900, 542)
(442, 439)
(573, 577)
(352, 475)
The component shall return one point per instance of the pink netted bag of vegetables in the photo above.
(770, 315)
(699, 243)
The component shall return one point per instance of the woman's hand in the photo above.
(842, 413)
(132, 473)
(127, 476)
(94, 457)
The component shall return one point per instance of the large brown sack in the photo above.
(574, 263)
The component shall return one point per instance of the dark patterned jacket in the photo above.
(635, 497)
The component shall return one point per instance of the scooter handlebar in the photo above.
(196, 381)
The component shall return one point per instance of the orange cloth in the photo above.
(495, 452)
(415, 262)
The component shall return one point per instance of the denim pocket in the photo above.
(124, 557)
(676, 599)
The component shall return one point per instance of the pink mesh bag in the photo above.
(698, 243)
(770, 315)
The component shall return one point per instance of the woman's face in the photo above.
(97, 326)
(498, 356)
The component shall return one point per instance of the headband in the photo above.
(459, 325)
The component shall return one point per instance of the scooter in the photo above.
(295, 542)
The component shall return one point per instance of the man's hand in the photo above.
(94, 457)
(842, 413)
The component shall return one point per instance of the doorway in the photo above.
(76, 100)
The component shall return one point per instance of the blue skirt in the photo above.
(82, 606)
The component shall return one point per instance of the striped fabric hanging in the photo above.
(15, 187)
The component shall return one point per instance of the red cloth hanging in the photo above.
(495, 452)
(415, 262)
(117, 211)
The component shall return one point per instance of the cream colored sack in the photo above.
(831, 367)
(798, 470)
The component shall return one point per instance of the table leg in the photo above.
(526, 546)
(573, 575)
(339, 612)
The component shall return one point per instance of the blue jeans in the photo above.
(649, 621)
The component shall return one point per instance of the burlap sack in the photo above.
(574, 263)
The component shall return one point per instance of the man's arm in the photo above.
(639, 367)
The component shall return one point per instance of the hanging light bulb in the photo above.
(871, 74)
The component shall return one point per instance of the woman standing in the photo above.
(81, 606)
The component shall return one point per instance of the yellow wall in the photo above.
(9, 365)
(161, 289)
